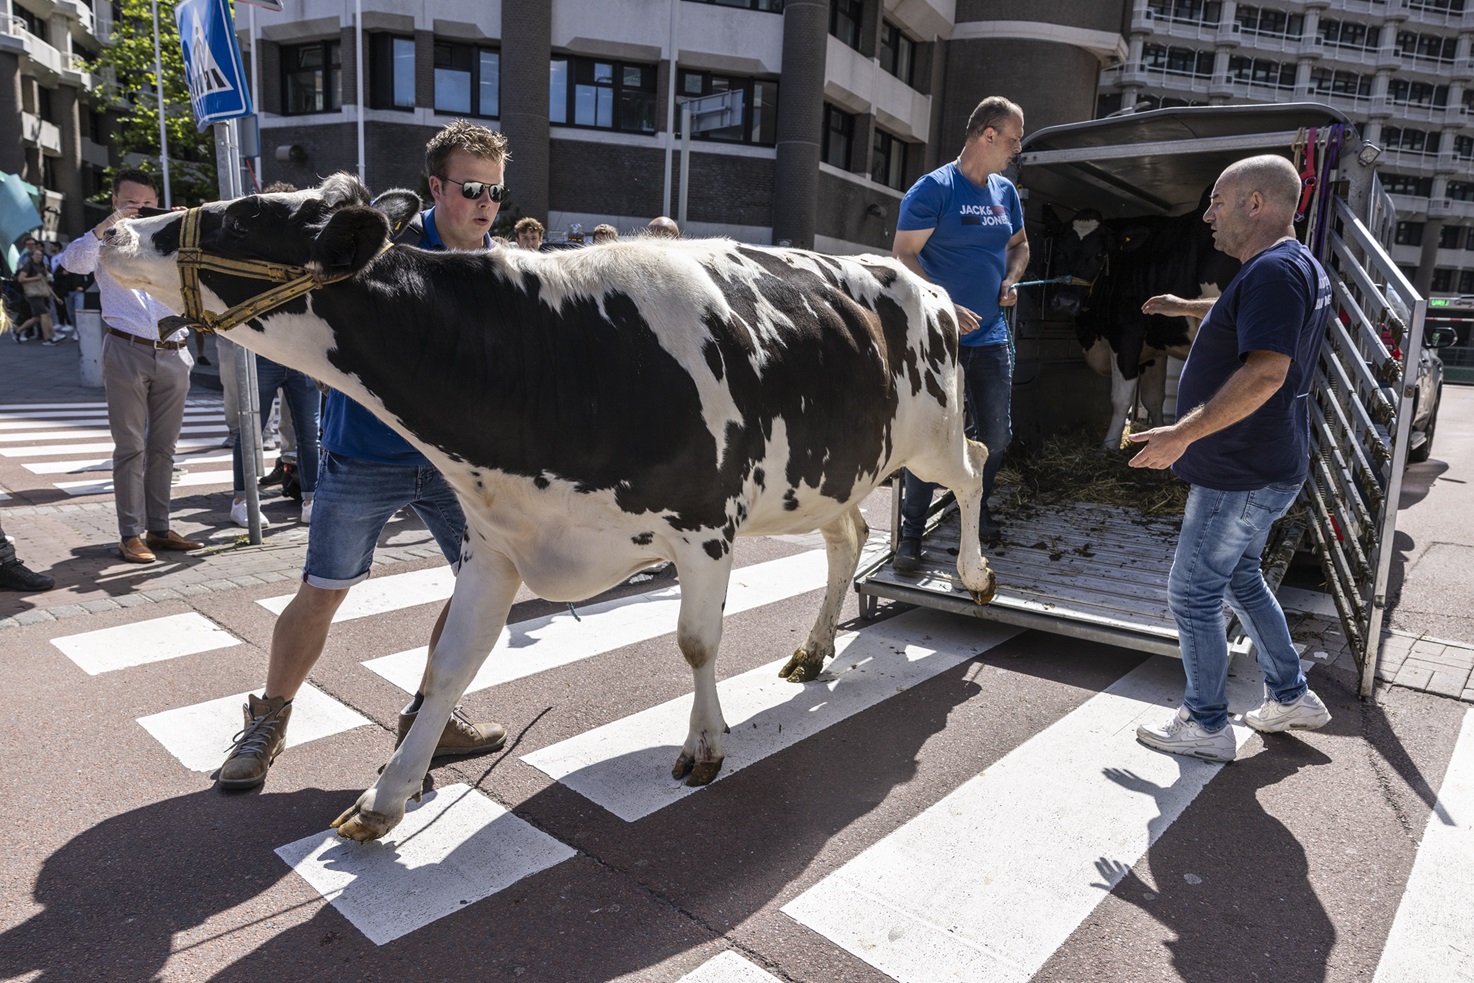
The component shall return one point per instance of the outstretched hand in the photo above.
(1164, 445)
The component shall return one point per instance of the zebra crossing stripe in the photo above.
(557, 640)
(453, 848)
(378, 595)
(14, 438)
(624, 766)
(106, 463)
(1432, 936)
(728, 968)
(154, 640)
(23, 409)
(966, 892)
(101, 447)
(102, 486)
(45, 421)
(199, 735)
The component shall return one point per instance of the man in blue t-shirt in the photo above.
(1244, 445)
(962, 228)
(368, 473)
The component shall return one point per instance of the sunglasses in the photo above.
(473, 189)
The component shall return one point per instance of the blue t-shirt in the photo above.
(349, 430)
(967, 254)
(1280, 301)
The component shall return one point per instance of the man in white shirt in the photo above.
(146, 380)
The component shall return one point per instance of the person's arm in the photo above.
(1017, 260)
(1249, 388)
(80, 256)
(1171, 305)
(907, 249)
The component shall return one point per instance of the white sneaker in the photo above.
(1306, 713)
(307, 513)
(1180, 734)
(238, 515)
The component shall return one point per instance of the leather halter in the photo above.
(292, 282)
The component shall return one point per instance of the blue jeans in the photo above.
(1223, 535)
(356, 499)
(302, 396)
(987, 372)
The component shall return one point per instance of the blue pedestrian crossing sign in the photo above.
(212, 61)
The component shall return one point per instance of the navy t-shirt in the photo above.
(348, 429)
(1280, 301)
(967, 253)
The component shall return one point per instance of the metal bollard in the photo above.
(89, 336)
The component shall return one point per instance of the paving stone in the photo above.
(132, 600)
(35, 617)
(248, 581)
(1412, 662)
(98, 604)
(162, 594)
(8, 623)
(1393, 643)
(1467, 697)
(1447, 683)
(218, 585)
(1414, 678)
(190, 590)
(67, 611)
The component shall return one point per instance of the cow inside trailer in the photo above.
(1099, 571)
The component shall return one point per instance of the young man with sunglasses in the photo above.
(367, 474)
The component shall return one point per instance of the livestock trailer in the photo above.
(1099, 571)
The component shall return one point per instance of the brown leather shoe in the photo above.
(171, 540)
(460, 736)
(133, 550)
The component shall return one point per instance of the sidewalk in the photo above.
(76, 542)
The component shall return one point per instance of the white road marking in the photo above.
(200, 735)
(452, 849)
(101, 447)
(11, 410)
(379, 595)
(15, 438)
(556, 640)
(987, 883)
(728, 968)
(211, 456)
(142, 642)
(624, 765)
(1432, 937)
(102, 486)
(42, 422)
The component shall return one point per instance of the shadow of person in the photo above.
(1238, 904)
(116, 895)
(637, 894)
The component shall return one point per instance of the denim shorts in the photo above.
(355, 499)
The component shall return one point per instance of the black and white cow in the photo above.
(601, 410)
(1126, 261)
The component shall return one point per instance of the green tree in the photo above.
(125, 89)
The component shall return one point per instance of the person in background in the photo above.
(663, 227)
(34, 277)
(146, 380)
(605, 232)
(15, 575)
(529, 233)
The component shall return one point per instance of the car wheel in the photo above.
(1419, 454)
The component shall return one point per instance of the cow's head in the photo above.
(1079, 248)
(329, 231)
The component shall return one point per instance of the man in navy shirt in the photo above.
(1244, 446)
(368, 473)
(962, 228)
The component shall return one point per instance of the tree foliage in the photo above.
(125, 87)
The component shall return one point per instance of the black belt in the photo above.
(172, 346)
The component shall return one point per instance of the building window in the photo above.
(1450, 236)
(1272, 23)
(888, 160)
(1188, 11)
(1402, 91)
(839, 136)
(1406, 184)
(1262, 72)
(757, 97)
(1324, 81)
(1351, 34)
(35, 26)
(844, 21)
(1440, 6)
(1409, 234)
(312, 79)
(772, 6)
(391, 72)
(1466, 282)
(1431, 47)
(605, 95)
(1419, 141)
(1460, 191)
(467, 79)
(1443, 280)
(1178, 61)
(897, 52)
(1463, 146)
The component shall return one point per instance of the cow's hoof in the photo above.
(801, 668)
(683, 766)
(987, 593)
(362, 825)
(705, 772)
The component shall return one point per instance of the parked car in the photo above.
(1429, 394)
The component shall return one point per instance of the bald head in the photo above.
(664, 227)
(1272, 176)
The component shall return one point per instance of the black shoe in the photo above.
(908, 556)
(203, 360)
(15, 576)
(989, 531)
(291, 485)
(274, 478)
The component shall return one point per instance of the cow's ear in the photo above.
(399, 205)
(352, 237)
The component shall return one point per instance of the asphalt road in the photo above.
(952, 801)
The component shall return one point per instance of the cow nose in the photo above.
(109, 233)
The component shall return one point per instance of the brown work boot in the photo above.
(258, 743)
(461, 736)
